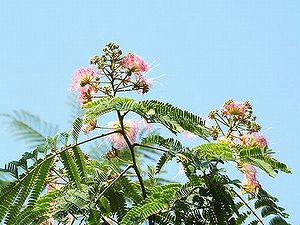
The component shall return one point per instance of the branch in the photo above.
(246, 204)
(63, 149)
(140, 179)
(113, 182)
(149, 146)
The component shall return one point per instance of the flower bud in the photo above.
(212, 114)
(214, 132)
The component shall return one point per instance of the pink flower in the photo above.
(146, 125)
(51, 187)
(82, 78)
(143, 84)
(250, 183)
(234, 108)
(131, 130)
(135, 63)
(86, 94)
(188, 135)
(85, 82)
(87, 128)
(255, 139)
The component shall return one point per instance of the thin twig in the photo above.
(113, 182)
(54, 170)
(246, 204)
(149, 146)
(66, 148)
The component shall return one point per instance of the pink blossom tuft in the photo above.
(84, 81)
(51, 186)
(82, 78)
(143, 84)
(234, 108)
(250, 183)
(255, 139)
(146, 125)
(188, 135)
(86, 94)
(135, 63)
(131, 129)
(87, 128)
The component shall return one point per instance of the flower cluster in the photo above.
(254, 139)
(235, 125)
(142, 84)
(135, 66)
(118, 73)
(237, 118)
(86, 82)
(88, 127)
(134, 63)
(232, 108)
(51, 186)
(130, 128)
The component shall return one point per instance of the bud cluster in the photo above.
(112, 72)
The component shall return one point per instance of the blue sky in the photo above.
(209, 51)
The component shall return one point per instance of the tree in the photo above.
(59, 183)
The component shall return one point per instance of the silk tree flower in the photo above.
(83, 77)
(85, 82)
(135, 63)
(143, 123)
(131, 129)
(232, 108)
(87, 128)
(188, 135)
(254, 139)
(143, 84)
(86, 94)
(250, 183)
(52, 186)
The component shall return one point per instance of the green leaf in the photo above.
(160, 198)
(28, 187)
(28, 127)
(172, 146)
(153, 111)
(213, 151)
(76, 128)
(262, 154)
(71, 168)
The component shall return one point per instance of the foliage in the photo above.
(57, 181)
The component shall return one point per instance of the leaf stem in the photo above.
(148, 146)
(246, 204)
(63, 149)
(113, 182)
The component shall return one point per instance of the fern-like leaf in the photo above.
(28, 127)
(13, 196)
(172, 146)
(71, 168)
(76, 129)
(160, 198)
(173, 118)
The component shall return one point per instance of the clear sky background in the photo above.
(210, 51)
